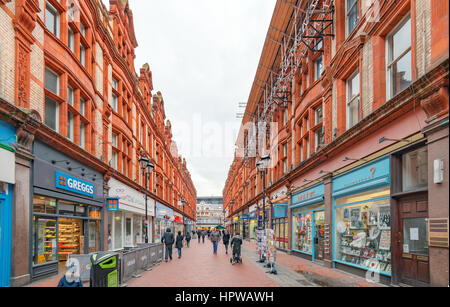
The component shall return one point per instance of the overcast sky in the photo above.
(203, 55)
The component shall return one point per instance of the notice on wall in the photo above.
(414, 234)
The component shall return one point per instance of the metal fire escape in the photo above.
(310, 23)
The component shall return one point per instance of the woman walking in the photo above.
(226, 240)
(179, 243)
(188, 238)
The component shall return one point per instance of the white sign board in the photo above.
(7, 174)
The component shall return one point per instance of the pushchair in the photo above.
(236, 243)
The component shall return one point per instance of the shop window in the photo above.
(52, 19)
(363, 230)
(351, 15)
(128, 238)
(44, 240)
(302, 231)
(66, 208)
(42, 204)
(71, 238)
(117, 230)
(415, 169)
(94, 236)
(399, 59)
(353, 100)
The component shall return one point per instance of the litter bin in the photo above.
(104, 269)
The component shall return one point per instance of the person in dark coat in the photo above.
(179, 243)
(188, 238)
(199, 235)
(203, 236)
(168, 240)
(236, 243)
(226, 240)
(72, 277)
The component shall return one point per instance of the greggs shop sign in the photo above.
(73, 184)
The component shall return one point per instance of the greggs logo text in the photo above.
(72, 184)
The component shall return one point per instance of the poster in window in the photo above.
(355, 218)
(384, 217)
(373, 218)
(385, 240)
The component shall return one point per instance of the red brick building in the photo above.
(358, 180)
(70, 93)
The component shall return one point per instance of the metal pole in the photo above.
(146, 217)
(264, 198)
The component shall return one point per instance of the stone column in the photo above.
(21, 211)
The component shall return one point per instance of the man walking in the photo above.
(203, 236)
(199, 235)
(226, 240)
(188, 238)
(215, 238)
(168, 239)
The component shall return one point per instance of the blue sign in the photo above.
(310, 196)
(73, 184)
(112, 203)
(245, 216)
(279, 211)
(368, 176)
(7, 135)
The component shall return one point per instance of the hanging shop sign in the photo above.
(178, 218)
(280, 211)
(112, 203)
(73, 184)
(310, 196)
(368, 176)
(245, 216)
(131, 200)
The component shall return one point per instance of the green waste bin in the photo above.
(104, 269)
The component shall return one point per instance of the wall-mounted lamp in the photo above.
(72, 169)
(67, 161)
(383, 139)
(324, 172)
(307, 180)
(347, 159)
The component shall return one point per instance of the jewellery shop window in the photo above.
(363, 231)
(302, 234)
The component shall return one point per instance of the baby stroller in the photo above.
(236, 243)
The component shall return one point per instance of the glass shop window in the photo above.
(363, 231)
(415, 169)
(44, 240)
(42, 204)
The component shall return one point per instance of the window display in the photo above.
(44, 232)
(302, 237)
(363, 231)
(71, 237)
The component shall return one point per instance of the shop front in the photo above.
(126, 225)
(245, 224)
(67, 211)
(280, 225)
(253, 222)
(308, 219)
(164, 218)
(362, 219)
(235, 224)
(7, 181)
(178, 223)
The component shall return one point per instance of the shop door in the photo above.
(414, 263)
(319, 238)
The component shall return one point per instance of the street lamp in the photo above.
(262, 166)
(232, 211)
(183, 202)
(147, 168)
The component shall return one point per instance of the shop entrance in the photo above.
(319, 234)
(71, 240)
(414, 260)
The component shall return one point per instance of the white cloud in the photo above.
(203, 55)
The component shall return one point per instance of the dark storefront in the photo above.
(66, 210)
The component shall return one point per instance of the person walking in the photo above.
(188, 238)
(199, 235)
(203, 236)
(215, 238)
(168, 240)
(226, 240)
(179, 243)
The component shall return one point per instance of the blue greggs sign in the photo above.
(72, 184)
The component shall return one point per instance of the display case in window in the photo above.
(70, 237)
(363, 233)
(44, 248)
(302, 238)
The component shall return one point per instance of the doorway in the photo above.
(319, 234)
(71, 234)
(413, 226)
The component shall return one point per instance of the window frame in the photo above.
(350, 100)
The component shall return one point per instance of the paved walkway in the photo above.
(199, 267)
